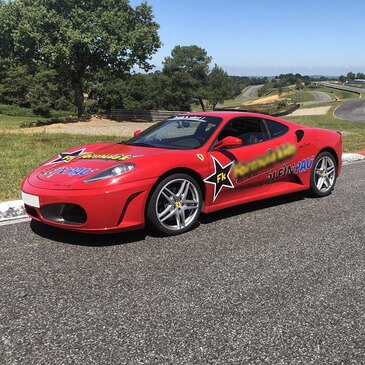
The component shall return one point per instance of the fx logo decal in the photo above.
(220, 177)
(67, 157)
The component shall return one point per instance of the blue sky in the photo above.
(267, 37)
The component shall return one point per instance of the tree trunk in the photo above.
(202, 104)
(79, 96)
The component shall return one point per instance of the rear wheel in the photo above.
(323, 174)
(175, 205)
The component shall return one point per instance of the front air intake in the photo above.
(64, 213)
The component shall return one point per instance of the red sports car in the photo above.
(165, 176)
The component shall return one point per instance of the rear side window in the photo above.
(276, 129)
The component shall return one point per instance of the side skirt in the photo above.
(278, 188)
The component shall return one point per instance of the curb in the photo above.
(352, 157)
(14, 209)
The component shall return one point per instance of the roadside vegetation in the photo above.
(13, 122)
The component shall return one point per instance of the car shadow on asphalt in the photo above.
(112, 239)
(86, 239)
(251, 207)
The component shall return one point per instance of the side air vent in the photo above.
(300, 135)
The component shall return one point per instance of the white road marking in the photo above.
(14, 221)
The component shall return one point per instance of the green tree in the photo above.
(188, 68)
(266, 88)
(351, 75)
(14, 86)
(342, 78)
(299, 85)
(46, 92)
(219, 87)
(77, 38)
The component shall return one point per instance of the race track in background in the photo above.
(351, 110)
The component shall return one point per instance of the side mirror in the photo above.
(137, 132)
(228, 142)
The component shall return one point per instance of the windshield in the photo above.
(183, 132)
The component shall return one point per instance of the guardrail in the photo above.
(136, 115)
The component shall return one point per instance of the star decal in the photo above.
(67, 157)
(220, 177)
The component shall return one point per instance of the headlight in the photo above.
(112, 172)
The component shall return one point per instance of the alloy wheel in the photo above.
(177, 204)
(324, 174)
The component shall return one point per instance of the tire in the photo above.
(174, 205)
(323, 175)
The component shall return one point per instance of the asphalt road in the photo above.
(321, 96)
(352, 110)
(276, 282)
(248, 93)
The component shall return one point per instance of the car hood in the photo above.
(71, 168)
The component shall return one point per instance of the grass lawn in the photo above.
(231, 103)
(359, 86)
(11, 122)
(20, 153)
(300, 96)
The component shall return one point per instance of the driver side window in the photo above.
(249, 130)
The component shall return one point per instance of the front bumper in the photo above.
(115, 208)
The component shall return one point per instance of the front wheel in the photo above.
(323, 175)
(175, 205)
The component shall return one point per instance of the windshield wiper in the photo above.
(142, 144)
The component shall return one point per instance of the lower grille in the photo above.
(64, 213)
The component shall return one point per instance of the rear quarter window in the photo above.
(276, 129)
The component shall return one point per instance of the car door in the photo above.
(244, 170)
